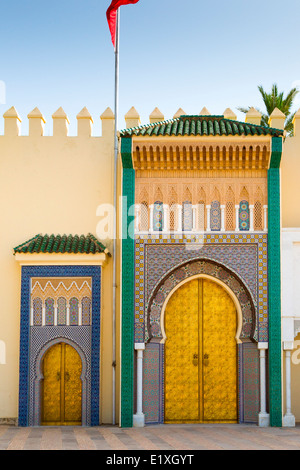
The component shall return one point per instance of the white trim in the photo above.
(29, 259)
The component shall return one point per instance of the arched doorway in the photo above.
(61, 386)
(201, 354)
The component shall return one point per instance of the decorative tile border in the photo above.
(153, 383)
(154, 379)
(274, 284)
(249, 382)
(43, 338)
(25, 347)
(188, 270)
(127, 333)
(244, 254)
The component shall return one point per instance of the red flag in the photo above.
(111, 16)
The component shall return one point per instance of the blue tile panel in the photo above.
(29, 272)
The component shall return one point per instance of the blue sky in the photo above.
(173, 53)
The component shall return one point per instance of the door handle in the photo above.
(58, 376)
(206, 359)
(67, 376)
(195, 359)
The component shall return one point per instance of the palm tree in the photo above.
(276, 100)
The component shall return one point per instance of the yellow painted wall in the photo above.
(51, 185)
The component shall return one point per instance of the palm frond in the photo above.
(244, 110)
(289, 126)
(276, 99)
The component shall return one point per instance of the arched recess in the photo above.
(217, 281)
(38, 377)
(240, 294)
(143, 200)
(246, 338)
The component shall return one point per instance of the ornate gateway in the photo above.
(196, 277)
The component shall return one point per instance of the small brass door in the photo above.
(200, 354)
(62, 386)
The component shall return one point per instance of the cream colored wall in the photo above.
(290, 176)
(51, 185)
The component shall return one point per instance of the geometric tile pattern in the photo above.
(243, 254)
(158, 216)
(127, 332)
(154, 378)
(187, 216)
(274, 285)
(215, 216)
(29, 340)
(244, 216)
(41, 339)
(249, 381)
(153, 364)
(186, 271)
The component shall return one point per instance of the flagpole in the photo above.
(115, 216)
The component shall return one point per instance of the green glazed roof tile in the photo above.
(87, 244)
(201, 126)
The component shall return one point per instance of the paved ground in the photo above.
(152, 438)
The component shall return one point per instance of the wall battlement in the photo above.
(60, 124)
(13, 121)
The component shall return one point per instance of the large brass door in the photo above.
(200, 354)
(62, 386)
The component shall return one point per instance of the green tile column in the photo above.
(127, 322)
(274, 284)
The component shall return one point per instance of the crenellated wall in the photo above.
(54, 184)
(51, 185)
(60, 124)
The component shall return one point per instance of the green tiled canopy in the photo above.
(201, 126)
(87, 244)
